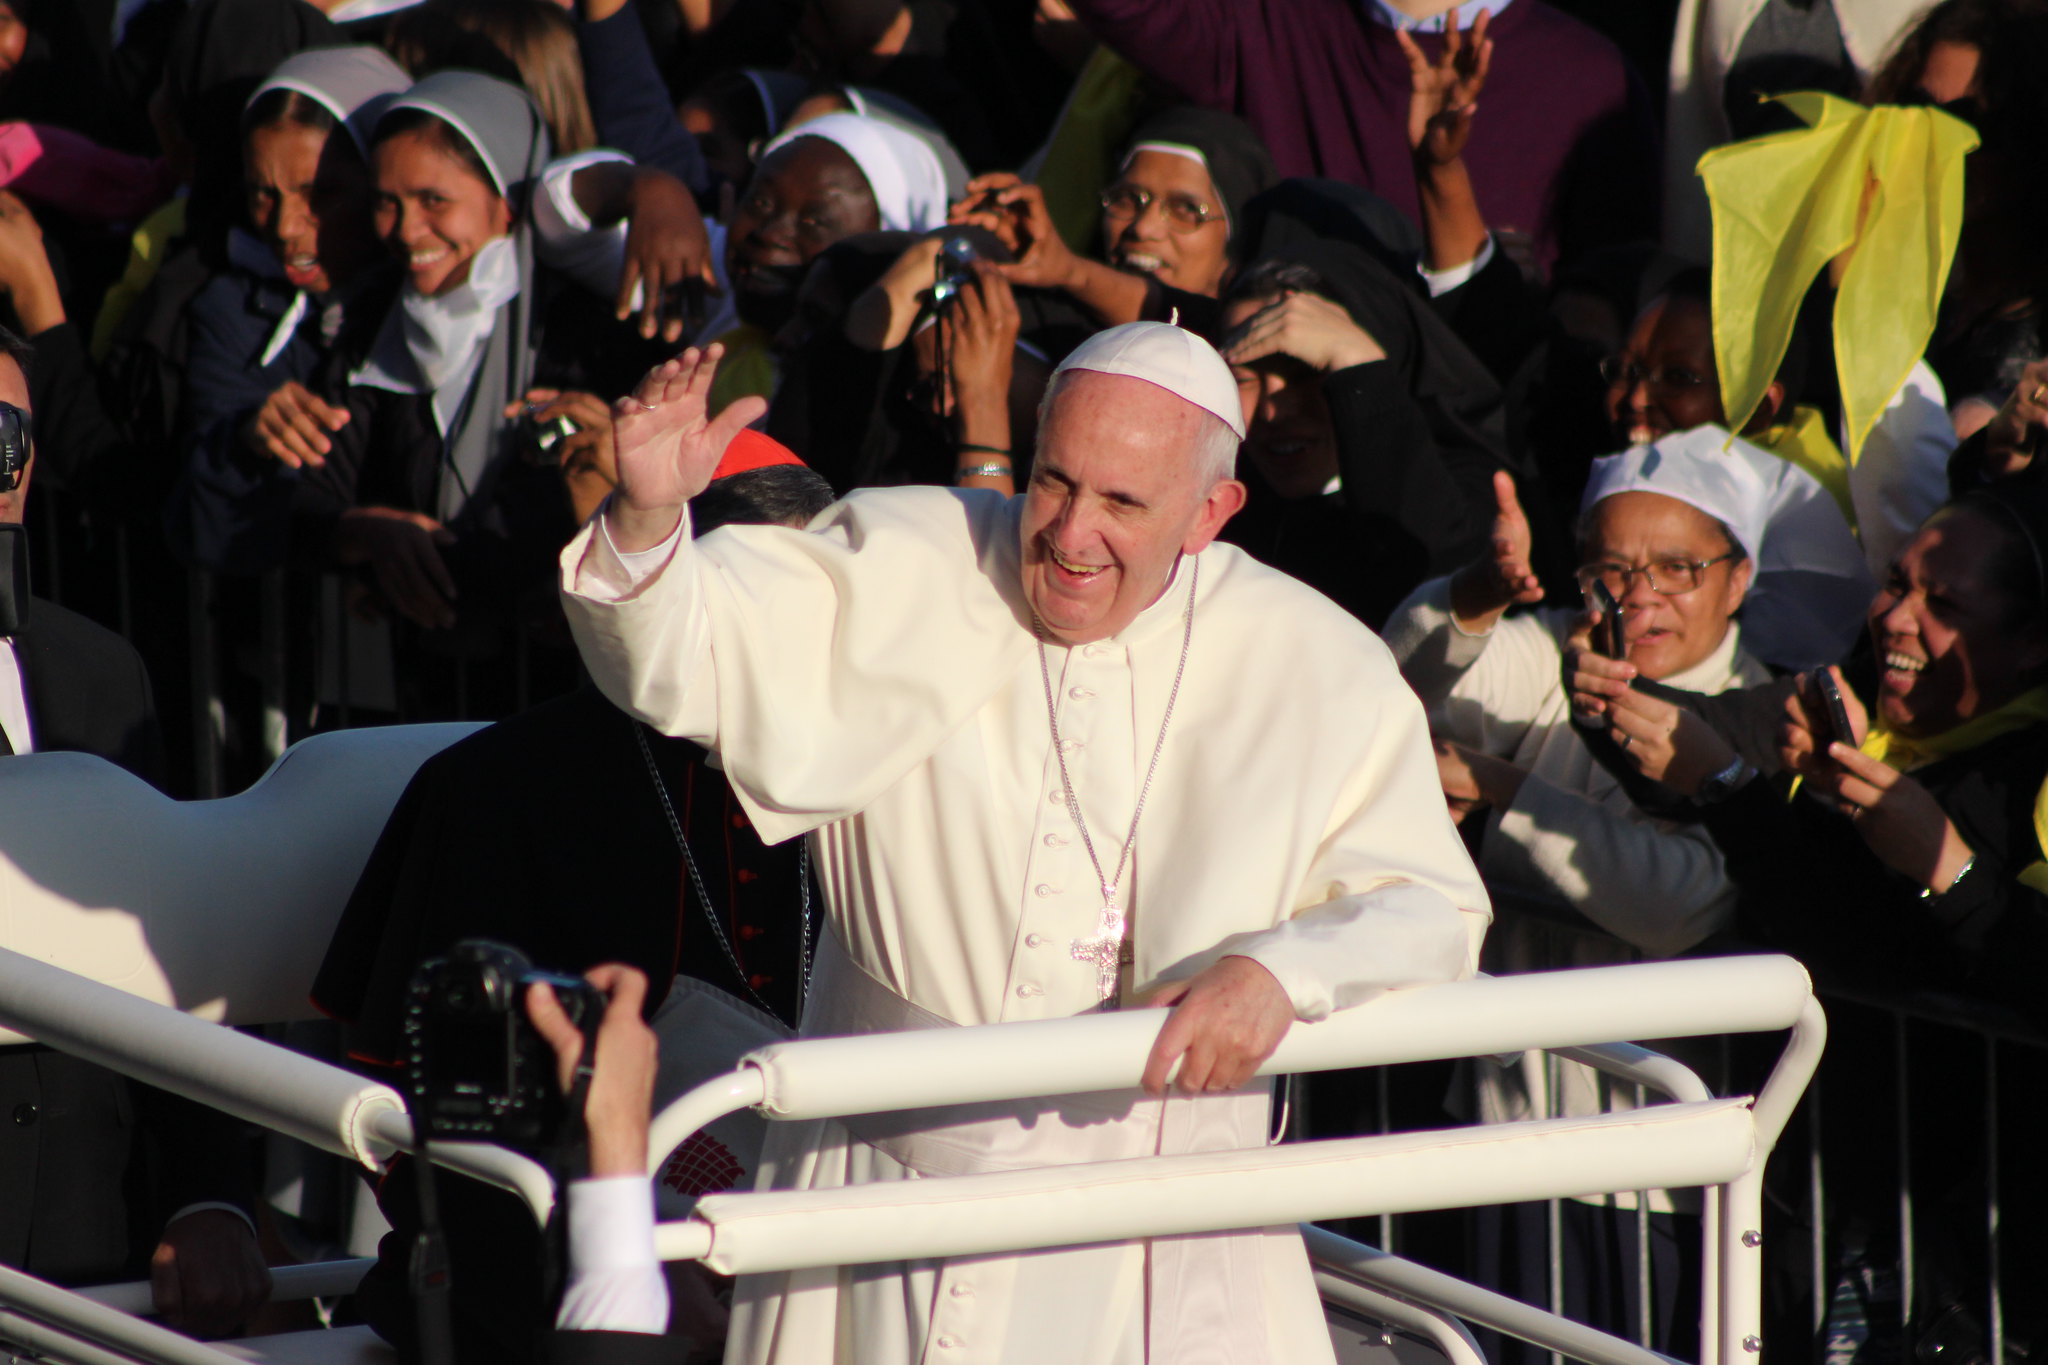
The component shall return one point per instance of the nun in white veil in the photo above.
(452, 509)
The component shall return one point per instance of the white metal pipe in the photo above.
(1441, 1330)
(1740, 1337)
(717, 1097)
(317, 1280)
(48, 1344)
(493, 1165)
(1640, 1066)
(1511, 1317)
(1666, 1145)
(830, 1077)
(46, 1303)
(332, 1109)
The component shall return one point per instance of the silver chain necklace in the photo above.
(803, 881)
(1108, 950)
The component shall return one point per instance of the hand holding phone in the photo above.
(1837, 710)
(1611, 637)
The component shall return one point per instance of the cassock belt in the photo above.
(1205, 1292)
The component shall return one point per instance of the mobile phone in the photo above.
(1838, 713)
(1612, 639)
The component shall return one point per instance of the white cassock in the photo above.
(874, 682)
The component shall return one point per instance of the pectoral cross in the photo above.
(1107, 950)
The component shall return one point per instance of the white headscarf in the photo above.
(908, 184)
(351, 83)
(1811, 585)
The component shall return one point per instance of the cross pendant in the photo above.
(1107, 950)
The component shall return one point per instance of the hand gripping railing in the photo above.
(1700, 1142)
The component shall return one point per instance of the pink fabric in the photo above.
(57, 168)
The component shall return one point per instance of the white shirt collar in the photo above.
(1468, 11)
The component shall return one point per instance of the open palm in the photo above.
(667, 441)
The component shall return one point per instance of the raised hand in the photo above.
(2011, 436)
(1485, 588)
(403, 551)
(668, 257)
(1444, 94)
(1320, 334)
(293, 426)
(621, 1097)
(1016, 213)
(668, 444)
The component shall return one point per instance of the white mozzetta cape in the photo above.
(874, 681)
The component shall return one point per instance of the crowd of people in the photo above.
(1670, 414)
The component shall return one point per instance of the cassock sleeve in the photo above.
(1391, 898)
(820, 665)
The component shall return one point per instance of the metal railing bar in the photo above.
(1904, 1136)
(49, 1345)
(1994, 1257)
(1371, 1308)
(1816, 1182)
(1645, 1310)
(271, 652)
(1382, 1270)
(288, 1283)
(209, 715)
(1385, 1106)
(1553, 1213)
(74, 1317)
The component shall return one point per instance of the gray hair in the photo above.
(1215, 454)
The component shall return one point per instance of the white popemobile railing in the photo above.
(142, 1030)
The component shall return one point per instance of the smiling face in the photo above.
(1150, 242)
(1289, 436)
(310, 198)
(1673, 383)
(805, 196)
(1117, 495)
(433, 210)
(1667, 633)
(1955, 643)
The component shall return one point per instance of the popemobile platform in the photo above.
(133, 928)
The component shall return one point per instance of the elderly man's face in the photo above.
(14, 389)
(1116, 496)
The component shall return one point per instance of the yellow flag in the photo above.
(1883, 185)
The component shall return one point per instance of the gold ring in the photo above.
(1622, 739)
(2036, 395)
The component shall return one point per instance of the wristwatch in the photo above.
(1724, 784)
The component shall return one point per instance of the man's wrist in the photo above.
(635, 530)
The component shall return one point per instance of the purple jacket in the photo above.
(1564, 146)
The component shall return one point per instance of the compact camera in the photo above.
(479, 1070)
(541, 441)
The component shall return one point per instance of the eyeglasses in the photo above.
(1620, 370)
(1670, 577)
(1182, 213)
(17, 437)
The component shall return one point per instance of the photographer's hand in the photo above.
(621, 1099)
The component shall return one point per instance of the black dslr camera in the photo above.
(479, 1070)
(955, 268)
(17, 440)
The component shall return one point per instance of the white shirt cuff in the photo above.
(564, 236)
(1442, 282)
(626, 571)
(615, 1279)
(205, 1204)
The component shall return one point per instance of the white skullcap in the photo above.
(1172, 357)
(1706, 468)
(904, 174)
